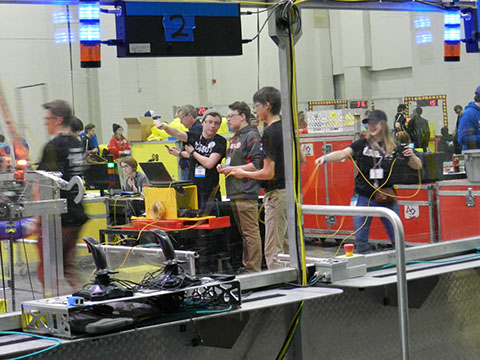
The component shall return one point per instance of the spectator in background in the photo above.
(400, 120)
(135, 180)
(459, 111)
(188, 118)
(76, 126)
(119, 145)
(419, 130)
(87, 142)
(302, 123)
(469, 127)
(4, 146)
(93, 140)
(446, 144)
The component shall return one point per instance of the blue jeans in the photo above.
(361, 237)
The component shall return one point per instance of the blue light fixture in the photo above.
(452, 18)
(422, 22)
(89, 33)
(89, 10)
(61, 36)
(60, 16)
(452, 34)
(424, 37)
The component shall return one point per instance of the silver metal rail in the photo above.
(187, 256)
(399, 238)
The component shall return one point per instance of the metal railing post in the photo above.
(399, 238)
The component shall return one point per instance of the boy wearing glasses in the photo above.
(244, 152)
(268, 103)
(206, 151)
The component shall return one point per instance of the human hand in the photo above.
(173, 151)
(408, 151)
(238, 173)
(159, 124)
(320, 161)
(225, 170)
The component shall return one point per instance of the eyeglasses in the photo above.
(125, 166)
(182, 116)
(211, 123)
(231, 116)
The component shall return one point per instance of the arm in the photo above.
(170, 130)
(413, 161)
(266, 173)
(468, 134)
(334, 156)
(222, 169)
(207, 162)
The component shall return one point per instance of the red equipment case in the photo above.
(458, 209)
(333, 183)
(418, 215)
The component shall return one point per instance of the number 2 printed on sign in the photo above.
(178, 27)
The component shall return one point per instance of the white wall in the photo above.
(347, 54)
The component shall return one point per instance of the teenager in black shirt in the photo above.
(374, 156)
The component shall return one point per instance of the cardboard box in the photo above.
(134, 132)
(138, 129)
(146, 124)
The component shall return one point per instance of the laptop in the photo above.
(158, 175)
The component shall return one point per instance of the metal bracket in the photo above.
(331, 219)
(327, 148)
(470, 198)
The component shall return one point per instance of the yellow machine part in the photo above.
(170, 200)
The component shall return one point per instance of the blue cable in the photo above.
(427, 262)
(36, 336)
(213, 311)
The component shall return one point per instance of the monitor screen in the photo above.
(96, 177)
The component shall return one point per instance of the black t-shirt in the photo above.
(205, 179)
(400, 118)
(272, 143)
(64, 153)
(196, 128)
(367, 159)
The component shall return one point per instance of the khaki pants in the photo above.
(246, 217)
(276, 237)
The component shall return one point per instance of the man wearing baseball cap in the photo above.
(469, 127)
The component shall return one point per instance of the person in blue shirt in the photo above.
(92, 137)
(469, 127)
(89, 140)
(3, 145)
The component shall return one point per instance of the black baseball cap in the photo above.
(401, 107)
(375, 115)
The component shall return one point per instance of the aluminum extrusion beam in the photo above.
(399, 238)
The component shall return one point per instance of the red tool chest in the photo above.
(418, 214)
(458, 209)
